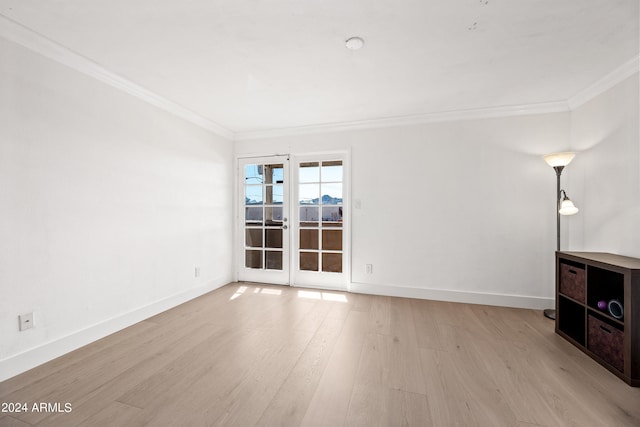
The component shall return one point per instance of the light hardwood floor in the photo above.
(249, 354)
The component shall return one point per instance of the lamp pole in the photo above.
(558, 161)
(551, 312)
(558, 170)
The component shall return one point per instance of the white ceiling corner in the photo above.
(445, 116)
(21, 35)
(616, 76)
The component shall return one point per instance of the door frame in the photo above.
(294, 278)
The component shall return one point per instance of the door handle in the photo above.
(284, 227)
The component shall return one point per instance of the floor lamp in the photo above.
(564, 205)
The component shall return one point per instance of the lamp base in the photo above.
(550, 313)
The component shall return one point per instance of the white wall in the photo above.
(107, 206)
(461, 211)
(605, 175)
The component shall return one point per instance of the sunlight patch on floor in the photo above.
(317, 295)
(241, 290)
(266, 291)
(326, 296)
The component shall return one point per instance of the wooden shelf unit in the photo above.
(582, 280)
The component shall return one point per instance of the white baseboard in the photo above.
(503, 300)
(31, 358)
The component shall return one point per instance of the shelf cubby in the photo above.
(609, 333)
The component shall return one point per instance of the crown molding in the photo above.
(34, 41)
(615, 77)
(626, 70)
(417, 119)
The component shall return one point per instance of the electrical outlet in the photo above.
(369, 269)
(197, 272)
(25, 321)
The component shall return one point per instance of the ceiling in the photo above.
(254, 65)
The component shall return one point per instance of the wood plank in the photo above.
(289, 405)
(336, 384)
(380, 395)
(9, 421)
(114, 414)
(468, 379)
(380, 316)
(382, 406)
(426, 321)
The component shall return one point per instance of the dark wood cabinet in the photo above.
(598, 308)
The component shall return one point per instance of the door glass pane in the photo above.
(275, 194)
(309, 194)
(332, 216)
(332, 171)
(273, 237)
(309, 172)
(309, 261)
(332, 263)
(274, 174)
(253, 195)
(253, 216)
(273, 215)
(253, 174)
(309, 239)
(332, 194)
(309, 216)
(253, 259)
(274, 260)
(253, 237)
(332, 240)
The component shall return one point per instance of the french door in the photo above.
(264, 229)
(292, 222)
(321, 229)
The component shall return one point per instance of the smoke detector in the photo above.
(354, 43)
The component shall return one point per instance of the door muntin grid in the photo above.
(264, 220)
(320, 216)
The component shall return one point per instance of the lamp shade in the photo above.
(568, 208)
(559, 159)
